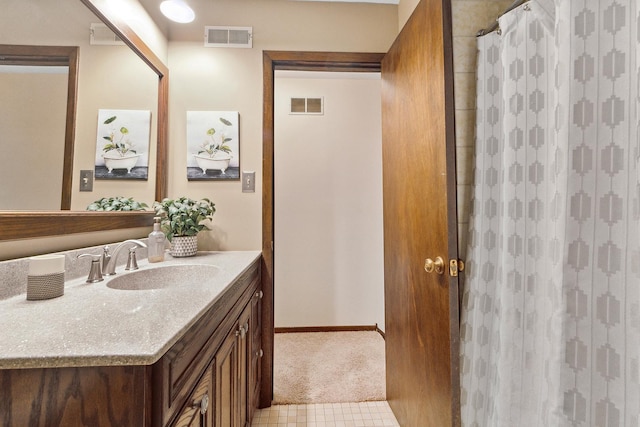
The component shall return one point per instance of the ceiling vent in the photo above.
(102, 35)
(228, 37)
(307, 106)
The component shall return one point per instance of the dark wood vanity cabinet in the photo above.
(214, 355)
(209, 377)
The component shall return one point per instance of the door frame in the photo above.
(298, 61)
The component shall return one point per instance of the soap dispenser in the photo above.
(156, 242)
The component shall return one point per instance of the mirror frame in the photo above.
(32, 224)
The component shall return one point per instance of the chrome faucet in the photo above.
(110, 268)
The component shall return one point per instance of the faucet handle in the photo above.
(132, 263)
(106, 257)
(95, 273)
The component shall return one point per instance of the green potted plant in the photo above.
(117, 204)
(181, 220)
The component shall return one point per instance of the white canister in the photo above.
(45, 279)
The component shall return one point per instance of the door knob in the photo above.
(430, 265)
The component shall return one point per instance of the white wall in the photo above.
(218, 79)
(405, 9)
(32, 119)
(328, 203)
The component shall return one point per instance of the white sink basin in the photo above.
(164, 277)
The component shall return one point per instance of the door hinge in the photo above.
(455, 265)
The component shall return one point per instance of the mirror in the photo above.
(39, 86)
(26, 224)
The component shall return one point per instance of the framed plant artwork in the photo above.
(213, 145)
(122, 150)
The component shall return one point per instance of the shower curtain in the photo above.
(551, 310)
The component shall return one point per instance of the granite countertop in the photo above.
(94, 325)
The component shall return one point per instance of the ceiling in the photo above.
(207, 14)
(358, 1)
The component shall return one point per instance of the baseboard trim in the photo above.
(354, 328)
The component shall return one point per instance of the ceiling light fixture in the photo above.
(177, 10)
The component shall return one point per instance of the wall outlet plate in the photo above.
(248, 182)
(86, 180)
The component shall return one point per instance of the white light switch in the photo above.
(86, 180)
(248, 182)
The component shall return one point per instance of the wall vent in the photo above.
(307, 106)
(102, 35)
(228, 37)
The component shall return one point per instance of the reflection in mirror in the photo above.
(110, 76)
(113, 78)
(66, 22)
(37, 116)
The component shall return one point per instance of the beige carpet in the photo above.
(328, 367)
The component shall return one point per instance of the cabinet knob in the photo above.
(203, 404)
(260, 353)
(242, 330)
(259, 294)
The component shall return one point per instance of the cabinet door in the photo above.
(226, 364)
(244, 325)
(198, 411)
(232, 379)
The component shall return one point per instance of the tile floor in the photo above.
(362, 414)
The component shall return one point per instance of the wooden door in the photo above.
(422, 328)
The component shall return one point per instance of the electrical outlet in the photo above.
(86, 180)
(248, 182)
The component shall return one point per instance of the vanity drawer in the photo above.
(198, 411)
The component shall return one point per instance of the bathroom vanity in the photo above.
(152, 354)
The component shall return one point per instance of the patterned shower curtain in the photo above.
(551, 310)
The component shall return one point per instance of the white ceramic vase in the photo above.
(183, 246)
